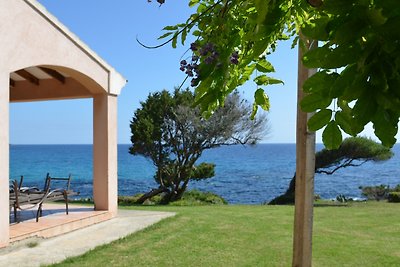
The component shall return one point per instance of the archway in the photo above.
(42, 60)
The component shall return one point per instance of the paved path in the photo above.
(58, 248)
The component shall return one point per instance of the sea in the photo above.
(244, 174)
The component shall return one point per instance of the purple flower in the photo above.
(193, 46)
(194, 82)
(234, 60)
(189, 73)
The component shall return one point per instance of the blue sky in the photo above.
(110, 29)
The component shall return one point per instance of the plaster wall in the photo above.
(28, 38)
(105, 177)
(4, 159)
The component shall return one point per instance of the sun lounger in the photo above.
(27, 198)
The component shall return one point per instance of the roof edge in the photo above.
(113, 74)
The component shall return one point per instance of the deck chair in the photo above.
(33, 197)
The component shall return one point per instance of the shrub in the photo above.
(131, 200)
(127, 200)
(396, 188)
(196, 197)
(379, 192)
(189, 198)
(394, 197)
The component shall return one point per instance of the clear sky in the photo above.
(110, 29)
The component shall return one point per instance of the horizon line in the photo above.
(80, 144)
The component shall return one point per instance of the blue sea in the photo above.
(244, 174)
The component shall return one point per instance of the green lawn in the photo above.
(363, 234)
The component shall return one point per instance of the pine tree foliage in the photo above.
(173, 134)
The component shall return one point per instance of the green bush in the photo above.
(189, 198)
(382, 192)
(128, 200)
(378, 192)
(131, 200)
(198, 198)
(394, 197)
(395, 189)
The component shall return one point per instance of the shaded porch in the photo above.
(42, 60)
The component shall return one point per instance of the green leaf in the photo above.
(248, 70)
(319, 119)
(265, 80)
(196, 33)
(315, 58)
(262, 10)
(385, 126)
(341, 56)
(174, 41)
(165, 35)
(313, 102)
(320, 82)
(261, 99)
(316, 29)
(343, 82)
(365, 108)
(259, 48)
(193, 2)
(344, 120)
(332, 136)
(264, 66)
(183, 36)
(338, 6)
(274, 81)
(345, 33)
(170, 28)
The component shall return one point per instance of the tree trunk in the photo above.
(152, 193)
(305, 168)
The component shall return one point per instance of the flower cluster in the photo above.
(234, 58)
(209, 52)
(209, 55)
(191, 69)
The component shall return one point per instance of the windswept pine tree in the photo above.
(173, 134)
(353, 152)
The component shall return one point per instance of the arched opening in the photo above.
(42, 60)
(38, 83)
(89, 164)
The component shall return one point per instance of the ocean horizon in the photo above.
(244, 174)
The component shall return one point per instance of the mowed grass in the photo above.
(363, 234)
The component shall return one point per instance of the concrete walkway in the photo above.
(37, 252)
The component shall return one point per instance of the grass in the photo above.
(361, 234)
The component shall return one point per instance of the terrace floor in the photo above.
(54, 221)
(58, 236)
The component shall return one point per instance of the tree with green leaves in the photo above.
(173, 135)
(358, 64)
(357, 79)
(353, 152)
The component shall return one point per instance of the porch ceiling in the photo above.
(44, 83)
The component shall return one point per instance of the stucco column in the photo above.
(4, 159)
(105, 179)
